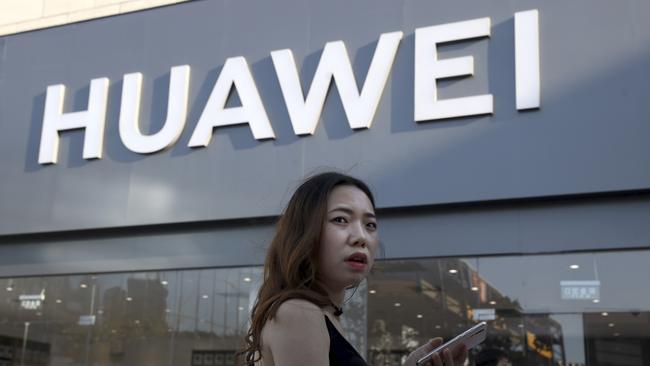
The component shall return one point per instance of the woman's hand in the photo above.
(447, 358)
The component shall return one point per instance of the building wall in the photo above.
(588, 137)
(21, 16)
(574, 224)
(490, 212)
(525, 182)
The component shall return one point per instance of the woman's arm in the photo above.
(297, 336)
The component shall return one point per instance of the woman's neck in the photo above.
(336, 295)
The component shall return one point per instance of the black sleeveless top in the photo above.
(341, 351)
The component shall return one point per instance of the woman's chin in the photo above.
(346, 279)
(355, 282)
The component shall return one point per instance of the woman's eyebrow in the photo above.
(350, 211)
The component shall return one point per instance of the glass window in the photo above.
(186, 317)
(562, 309)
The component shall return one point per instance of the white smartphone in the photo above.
(470, 338)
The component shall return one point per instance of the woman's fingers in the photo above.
(432, 344)
(461, 355)
(425, 349)
(449, 360)
(447, 357)
(437, 361)
(428, 347)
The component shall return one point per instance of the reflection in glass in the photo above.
(578, 309)
(564, 309)
(148, 318)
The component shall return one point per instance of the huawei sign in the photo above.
(304, 111)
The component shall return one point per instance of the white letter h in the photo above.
(92, 120)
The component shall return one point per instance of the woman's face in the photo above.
(349, 238)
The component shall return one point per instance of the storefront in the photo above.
(146, 156)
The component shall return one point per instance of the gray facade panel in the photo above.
(590, 134)
(137, 249)
(495, 229)
(520, 228)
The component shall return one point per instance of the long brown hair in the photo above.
(291, 265)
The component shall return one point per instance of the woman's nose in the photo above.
(358, 235)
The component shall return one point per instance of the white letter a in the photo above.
(235, 71)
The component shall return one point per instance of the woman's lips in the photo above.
(357, 261)
(356, 265)
(358, 257)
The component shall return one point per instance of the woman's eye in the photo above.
(372, 225)
(340, 220)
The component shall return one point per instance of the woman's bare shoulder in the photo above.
(296, 313)
(299, 305)
(296, 334)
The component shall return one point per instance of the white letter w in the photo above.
(359, 108)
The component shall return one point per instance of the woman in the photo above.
(325, 243)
